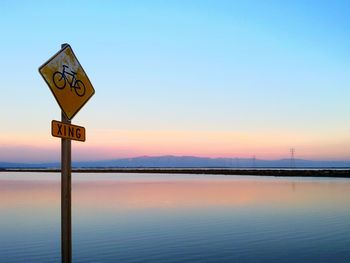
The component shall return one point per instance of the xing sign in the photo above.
(68, 81)
(67, 131)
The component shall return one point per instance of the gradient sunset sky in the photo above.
(204, 78)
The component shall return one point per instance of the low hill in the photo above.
(188, 162)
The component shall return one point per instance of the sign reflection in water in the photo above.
(170, 218)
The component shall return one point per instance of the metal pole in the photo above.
(66, 209)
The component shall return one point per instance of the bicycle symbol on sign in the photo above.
(60, 80)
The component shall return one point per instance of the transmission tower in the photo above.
(292, 160)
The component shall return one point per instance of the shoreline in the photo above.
(277, 172)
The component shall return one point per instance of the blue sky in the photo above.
(205, 78)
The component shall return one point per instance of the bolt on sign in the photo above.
(67, 131)
(68, 81)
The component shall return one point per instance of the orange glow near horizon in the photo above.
(109, 144)
(122, 143)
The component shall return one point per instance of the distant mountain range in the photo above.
(188, 162)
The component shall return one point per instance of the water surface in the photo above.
(176, 218)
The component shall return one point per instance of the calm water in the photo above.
(176, 218)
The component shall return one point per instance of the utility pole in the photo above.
(292, 160)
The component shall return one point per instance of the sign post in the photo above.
(71, 88)
(66, 193)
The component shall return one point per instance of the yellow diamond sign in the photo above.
(68, 81)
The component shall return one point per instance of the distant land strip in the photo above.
(341, 173)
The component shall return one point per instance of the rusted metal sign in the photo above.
(67, 131)
(68, 81)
